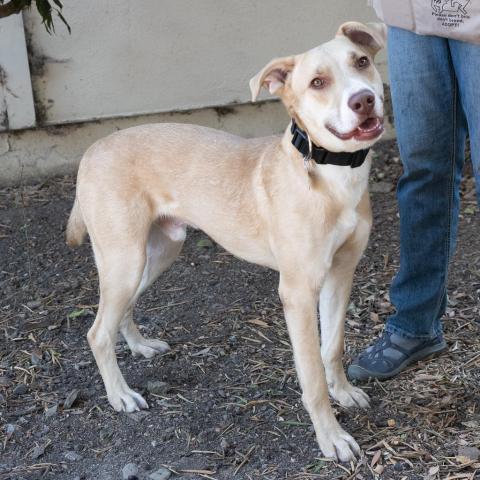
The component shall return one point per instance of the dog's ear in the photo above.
(372, 36)
(272, 76)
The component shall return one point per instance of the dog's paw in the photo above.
(349, 396)
(149, 347)
(339, 445)
(127, 400)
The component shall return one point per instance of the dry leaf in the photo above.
(257, 321)
(379, 469)
(376, 458)
(433, 470)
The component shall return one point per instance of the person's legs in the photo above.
(431, 133)
(431, 130)
(466, 62)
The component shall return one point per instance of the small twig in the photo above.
(472, 360)
(161, 307)
(245, 460)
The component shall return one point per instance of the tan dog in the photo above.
(139, 188)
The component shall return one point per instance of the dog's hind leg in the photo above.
(120, 271)
(165, 241)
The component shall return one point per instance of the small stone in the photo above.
(10, 429)
(2, 399)
(138, 416)
(224, 444)
(157, 387)
(381, 187)
(50, 412)
(160, 474)
(217, 307)
(130, 471)
(36, 358)
(472, 453)
(34, 304)
(80, 365)
(38, 451)
(5, 381)
(72, 456)
(20, 389)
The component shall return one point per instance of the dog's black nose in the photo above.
(362, 102)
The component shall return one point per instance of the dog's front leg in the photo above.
(334, 299)
(300, 300)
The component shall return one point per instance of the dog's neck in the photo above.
(345, 183)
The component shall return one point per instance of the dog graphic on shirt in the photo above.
(450, 6)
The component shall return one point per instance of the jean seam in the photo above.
(451, 185)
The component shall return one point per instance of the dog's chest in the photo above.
(348, 188)
(345, 226)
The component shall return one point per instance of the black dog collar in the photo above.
(301, 141)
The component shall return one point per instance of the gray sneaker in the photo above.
(391, 354)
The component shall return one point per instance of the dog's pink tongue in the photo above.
(368, 124)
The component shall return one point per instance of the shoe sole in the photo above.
(355, 372)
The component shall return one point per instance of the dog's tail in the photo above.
(76, 228)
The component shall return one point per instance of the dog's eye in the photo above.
(363, 62)
(318, 83)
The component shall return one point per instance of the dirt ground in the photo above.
(230, 406)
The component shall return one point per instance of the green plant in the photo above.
(45, 8)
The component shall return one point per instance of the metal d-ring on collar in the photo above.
(302, 142)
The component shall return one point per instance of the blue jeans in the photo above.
(435, 84)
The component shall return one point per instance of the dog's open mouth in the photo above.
(369, 129)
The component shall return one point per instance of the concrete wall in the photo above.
(134, 59)
(16, 96)
(27, 156)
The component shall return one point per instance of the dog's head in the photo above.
(333, 91)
